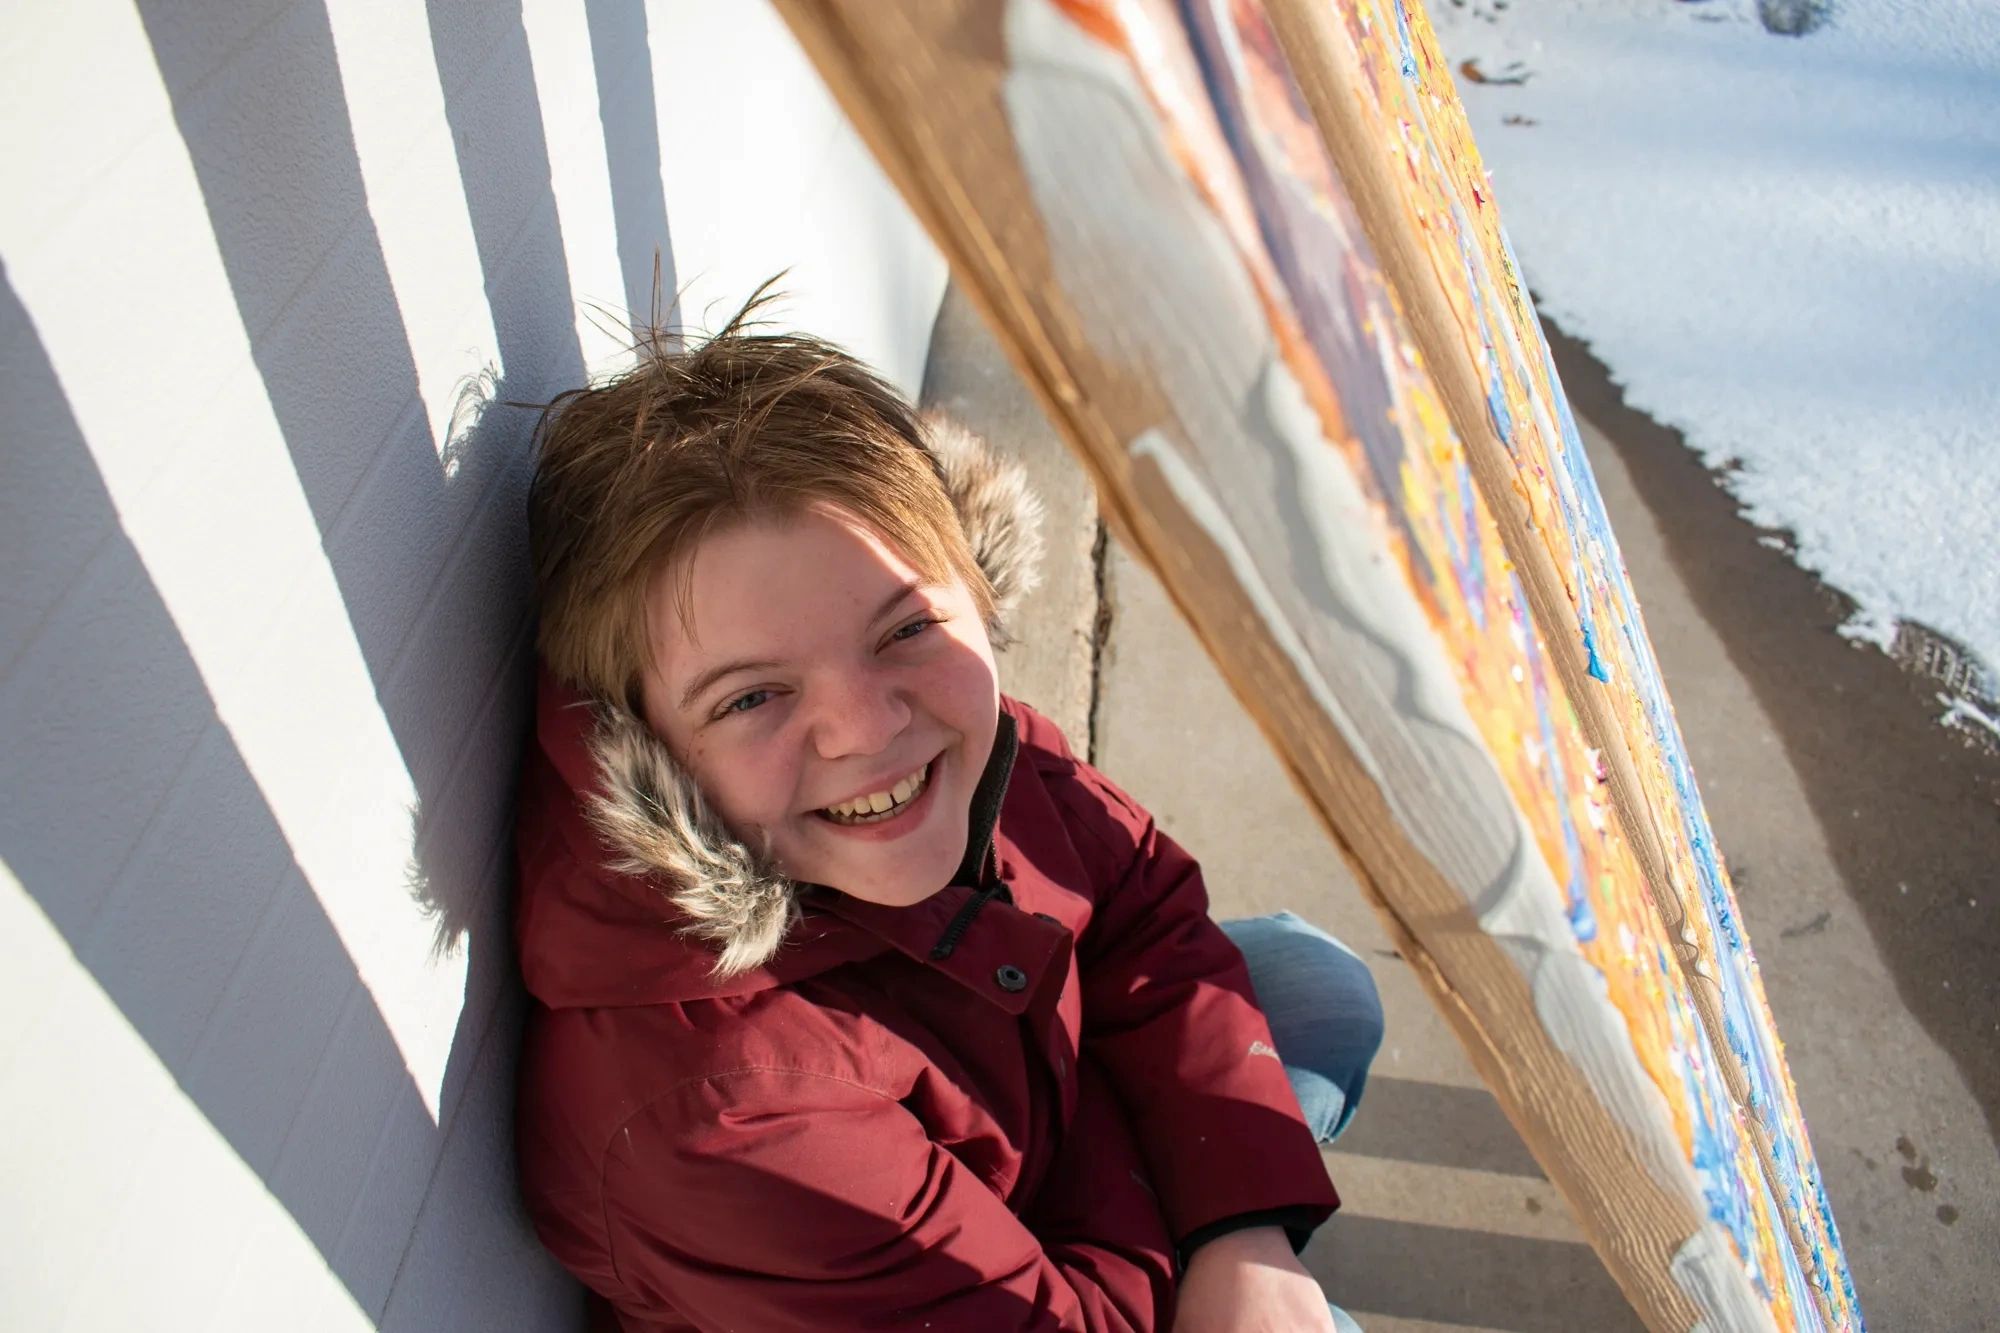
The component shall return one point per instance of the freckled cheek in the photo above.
(753, 786)
(967, 665)
(967, 692)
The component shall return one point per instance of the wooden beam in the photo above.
(1381, 169)
(1092, 224)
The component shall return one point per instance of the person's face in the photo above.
(821, 671)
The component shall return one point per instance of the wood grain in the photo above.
(1321, 62)
(926, 87)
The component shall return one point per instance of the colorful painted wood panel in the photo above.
(1138, 198)
(1397, 94)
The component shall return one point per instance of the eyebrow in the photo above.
(706, 681)
(702, 683)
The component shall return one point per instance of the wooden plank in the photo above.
(1066, 161)
(1383, 98)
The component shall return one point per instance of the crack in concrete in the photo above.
(1100, 630)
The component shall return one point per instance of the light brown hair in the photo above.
(633, 473)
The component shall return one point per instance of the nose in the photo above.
(860, 713)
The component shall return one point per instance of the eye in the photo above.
(914, 628)
(744, 702)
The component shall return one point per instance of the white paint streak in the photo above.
(1702, 1268)
(1196, 500)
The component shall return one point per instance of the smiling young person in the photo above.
(860, 1001)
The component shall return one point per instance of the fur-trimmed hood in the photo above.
(615, 836)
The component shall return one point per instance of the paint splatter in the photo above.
(1812, 927)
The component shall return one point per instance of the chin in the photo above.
(906, 895)
(897, 880)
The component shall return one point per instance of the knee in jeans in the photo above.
(1353, 989)
(1315, 990)
(1368, 1022)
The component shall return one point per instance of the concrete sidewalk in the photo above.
(1448, 1223)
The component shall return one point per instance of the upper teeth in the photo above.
(878, 802)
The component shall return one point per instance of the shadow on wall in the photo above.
(209, 937)
(218, 886)
(622, 56)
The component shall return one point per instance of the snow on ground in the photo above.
(1786, 246)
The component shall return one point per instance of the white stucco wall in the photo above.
(263, 644)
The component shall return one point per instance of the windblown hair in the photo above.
(634, 472)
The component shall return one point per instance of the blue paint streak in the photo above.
(1403, 37)
(1472, 571)
(1597, 670)
(1582, 920)
(1496, 400)
(1714, 1159)
(1582, 917)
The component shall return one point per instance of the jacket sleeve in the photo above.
(784, 1200)
(1169, 1010)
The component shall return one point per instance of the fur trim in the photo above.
(655, 818)
(1001, 516)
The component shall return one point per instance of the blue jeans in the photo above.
(1325, 1016)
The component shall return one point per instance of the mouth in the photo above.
(883, 806)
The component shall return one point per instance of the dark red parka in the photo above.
(1003, 1107)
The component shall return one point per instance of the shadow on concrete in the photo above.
(1907, 810)
(1459, 1127)
(1449, 1275)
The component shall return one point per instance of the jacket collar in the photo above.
(976, 867)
